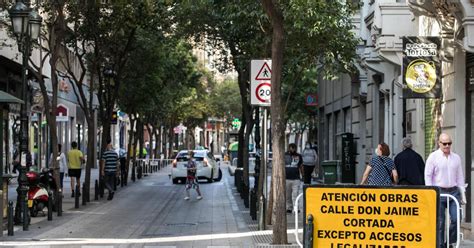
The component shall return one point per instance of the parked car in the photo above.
(207, 167)
(252, 160)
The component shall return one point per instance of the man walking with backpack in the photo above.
(310, 160)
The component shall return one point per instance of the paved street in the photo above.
(148, 213)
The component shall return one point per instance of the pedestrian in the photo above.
(123, 167)
(191, 179)
(381, 169)
(444, 170)
(410, 165)
(62, 165)
(108, 168)
(310, 160)
(293, 169)
(75, 158)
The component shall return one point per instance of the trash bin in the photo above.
(330, 171)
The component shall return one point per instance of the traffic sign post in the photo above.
(260, 82)
(261, 95)
(311, 100)
(365, 216)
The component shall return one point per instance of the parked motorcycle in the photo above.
(40, 189)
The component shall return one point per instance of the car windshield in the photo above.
(183, 156)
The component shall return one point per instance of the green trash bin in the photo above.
(330, 171)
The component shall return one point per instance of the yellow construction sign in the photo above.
(372, 217)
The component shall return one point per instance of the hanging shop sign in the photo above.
(421, 67)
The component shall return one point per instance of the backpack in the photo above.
(309, 157)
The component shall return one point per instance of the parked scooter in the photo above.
(38, 190)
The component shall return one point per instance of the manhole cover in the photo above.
(181, 224)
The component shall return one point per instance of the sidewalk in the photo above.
(68, 201)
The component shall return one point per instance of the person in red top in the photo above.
(191, 180)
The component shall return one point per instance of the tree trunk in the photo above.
(192, 135)
(170, 141)
(90, 155)
(269, 210)
(106, 136)
(241, 145)
(130, 148)
(278, 123)
(201, 138)
(150, 142)
(159, 138)
(156, 134)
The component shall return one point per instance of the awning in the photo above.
(7, 98)
(16, 67)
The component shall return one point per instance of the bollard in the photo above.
(245, 195)
(50, 206)
(96, 190)
(76, 196)
(101, 187)
(60, 203)
(139, 170)
(84, 194)
(308, 241)
(26, 213)
(253, 204)
(133, 170)
(238, 179)
(125, 177)
(10, 218)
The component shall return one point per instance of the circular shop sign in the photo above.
(421, 76)
(264, 92)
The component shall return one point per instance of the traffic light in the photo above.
(114, 118)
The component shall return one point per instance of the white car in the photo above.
(207, 167)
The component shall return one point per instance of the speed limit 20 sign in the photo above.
(260, 82)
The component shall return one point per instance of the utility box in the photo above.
(331, 171)
(348, 158)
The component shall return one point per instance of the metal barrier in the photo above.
(295, 210)
(447, 221)
(449, 197)
(143, 167)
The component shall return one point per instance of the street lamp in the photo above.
(26, 24)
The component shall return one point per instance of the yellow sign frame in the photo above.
(349, 216)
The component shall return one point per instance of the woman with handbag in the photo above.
(381, 169)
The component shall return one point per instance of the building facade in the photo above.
(370, 103)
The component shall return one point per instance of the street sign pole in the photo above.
(263, 170)
(260, 96)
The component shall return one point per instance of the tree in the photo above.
(278, 127)
(165, 91)
(225, 100)
(309, 33)
(234, 30)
